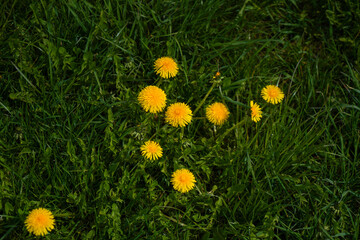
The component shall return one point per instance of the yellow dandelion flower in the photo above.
(40, 221)
(217, 113)
(166, 67)
(178, 114)
(183, 180)
(272, 94)
(151, 150)
(256, 113)
(152, 99)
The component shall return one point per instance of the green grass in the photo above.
(71, 127)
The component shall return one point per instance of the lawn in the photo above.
(72, 125)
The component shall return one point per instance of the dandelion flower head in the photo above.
(166, 67)
(217, 74)
(178, 114)
(151, 150)
(152, 99)
(183, 180)
(256, 112)
(272, 94)
(40, 221)
(217, 113)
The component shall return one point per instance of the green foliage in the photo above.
(71, 127)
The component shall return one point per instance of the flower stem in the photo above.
(203, 100)
(181, 138)
(159, 82)
(182, 133)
